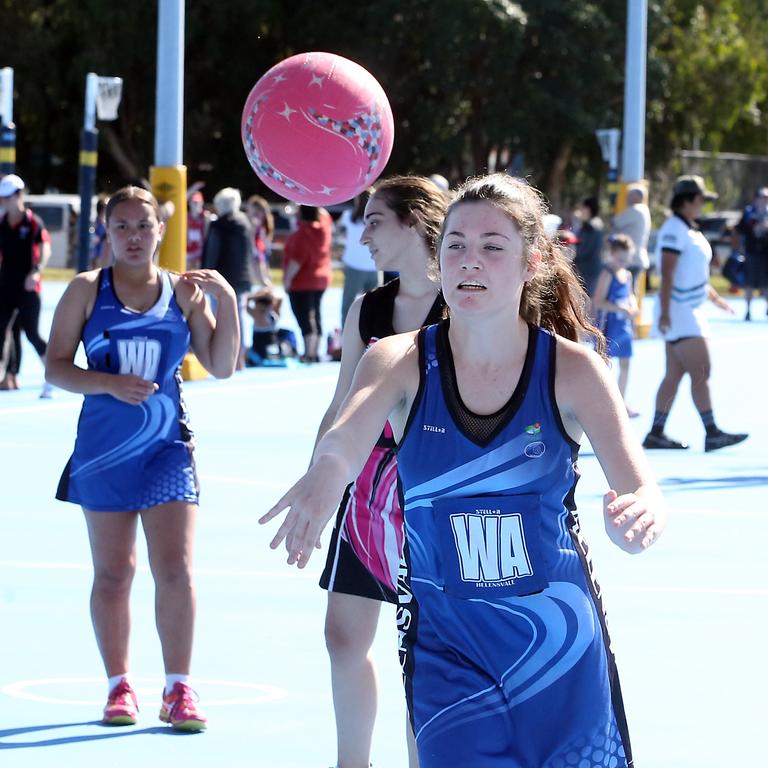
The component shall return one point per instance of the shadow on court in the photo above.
(105, 732)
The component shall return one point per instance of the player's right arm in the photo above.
(352, 349)
(384, 387)
(69, 319)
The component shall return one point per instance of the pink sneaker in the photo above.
(122, 707)
(180, 709)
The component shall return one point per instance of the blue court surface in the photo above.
(688, 619)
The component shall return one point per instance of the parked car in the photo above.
(60, 213)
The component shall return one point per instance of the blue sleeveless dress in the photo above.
(131, 457)
(616, 326)
(505, 654)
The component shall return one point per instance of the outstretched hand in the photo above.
(311, 503)
(631, 522)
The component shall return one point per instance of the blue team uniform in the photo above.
(130, 457)
(616, 326)
(503, 644)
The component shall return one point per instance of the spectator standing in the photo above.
(25, 247)
(198, 222)
(263, 225)
(228, 249)
(684, 255)
(753, 229)
(589, 250)
(360, 273)
(101, 253)
(635, 222)
(307, 273)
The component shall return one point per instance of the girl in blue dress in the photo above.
(133, 456)
(616, 307)
(504, 650)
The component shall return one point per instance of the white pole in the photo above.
(633, 157)
(169, 104)
(6, 89)
(91, 82)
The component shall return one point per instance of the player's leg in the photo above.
(665, 396)
(350, 628)
(169, 529)
(693, 354)
(112, 537)
(623, 375)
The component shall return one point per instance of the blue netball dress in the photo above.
(505, 654)
(130, 457)
(616, 326)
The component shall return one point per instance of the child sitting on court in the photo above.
(616, 307)
(271, 345)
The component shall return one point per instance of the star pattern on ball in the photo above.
(316, 80)
(287, 112)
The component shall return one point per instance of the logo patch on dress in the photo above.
(535, 450)
(533, 429)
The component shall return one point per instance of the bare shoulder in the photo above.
(401, 348)
(394, 359)
(580, 373)
(83, 286)
(188, 295)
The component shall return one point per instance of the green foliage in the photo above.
(471, 82)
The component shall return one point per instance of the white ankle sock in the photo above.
(171, 680)
(114, 680)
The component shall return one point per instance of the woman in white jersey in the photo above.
(684, 254)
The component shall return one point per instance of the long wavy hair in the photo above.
(415, 199)
(555, 298)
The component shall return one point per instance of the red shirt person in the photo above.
(307, 273)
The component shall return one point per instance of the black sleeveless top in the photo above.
(378, 308)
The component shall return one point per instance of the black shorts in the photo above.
(306, 308)
(344, 573)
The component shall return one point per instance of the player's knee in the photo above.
(343, 640)
(114, 578)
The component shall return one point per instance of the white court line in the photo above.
(289, 572)
(218, 390)
(19, 690)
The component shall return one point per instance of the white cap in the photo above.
(10, 185)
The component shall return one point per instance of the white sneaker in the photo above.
(47, 391)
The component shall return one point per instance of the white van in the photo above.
(60, 214)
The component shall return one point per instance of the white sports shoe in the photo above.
(47, 391)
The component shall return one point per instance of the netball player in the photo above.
(401, 226)
(503, 644)
(133, 456)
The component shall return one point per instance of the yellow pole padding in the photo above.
(169, 185)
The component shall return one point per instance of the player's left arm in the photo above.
(43, 242)
(215, 339)
(719, 301)
(589, 400)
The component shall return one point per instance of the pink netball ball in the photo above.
(317, 128)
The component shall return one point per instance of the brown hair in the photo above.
(620, 242)
(554, 299)
(263, 205)
(132, 193)
(415, 199)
